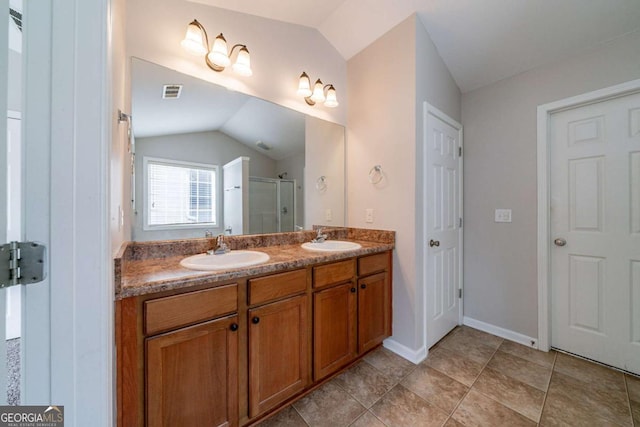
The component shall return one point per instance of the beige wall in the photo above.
(324, 155)
(120, 170)
(388, 82)
(500, 172)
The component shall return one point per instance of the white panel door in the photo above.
(442, 229)
(595, 209)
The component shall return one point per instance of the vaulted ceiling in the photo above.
(481, 41)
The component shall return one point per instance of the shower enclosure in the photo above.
(272, 205)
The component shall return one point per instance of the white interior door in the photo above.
(595, 225)
(443, 235)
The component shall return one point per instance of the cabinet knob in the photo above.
(256, 320)
(353, 290)
(363, 286)
(234, 327)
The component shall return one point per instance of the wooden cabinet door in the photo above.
(192, 376)
(278, 353)
(374, 313)
(334, 329)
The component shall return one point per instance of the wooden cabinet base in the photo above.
(192, 376)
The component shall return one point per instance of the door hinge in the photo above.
(459, 151)
(21, 263)
(460, 293)
(460, 223)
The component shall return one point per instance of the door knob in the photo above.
(560, 241)
(433, 243)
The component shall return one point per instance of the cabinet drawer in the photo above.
(168, 313)
(330, 274)
(373, 264)
(276, 286)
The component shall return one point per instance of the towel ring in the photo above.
(375, 174)
(321, 183)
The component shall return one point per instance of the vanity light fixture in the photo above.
(320, 92)
(196, 42)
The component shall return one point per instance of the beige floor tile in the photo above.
(483, 337)
(471, 347)
(557, 414)
(402, 408)
(573, 401)
(365, 383)
(455, 365)
(390, 364)
(479, 410)
(522, 370)
(367, 420)
(288, 417)
(514, 394)
(593, 374)
(452, 423)
(329, 406)
(531, 354)
(633, 388)
(435, 387)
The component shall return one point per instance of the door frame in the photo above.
(544, 193)
(440, 115)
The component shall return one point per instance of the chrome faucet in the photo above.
(220, 248)
(320, 238)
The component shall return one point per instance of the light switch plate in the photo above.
(503, 215)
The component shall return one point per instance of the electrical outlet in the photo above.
(503, 215)
(368, 216)
(328, 215)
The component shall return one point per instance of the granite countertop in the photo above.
(149, 267)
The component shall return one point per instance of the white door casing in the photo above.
(589, 195)
(442, 207)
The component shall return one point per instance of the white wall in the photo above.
(500, 172)
(384, 117)
(324, 156)
(294, 167)
(279, 51)
(203, 147)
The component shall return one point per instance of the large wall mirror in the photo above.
(211, 159)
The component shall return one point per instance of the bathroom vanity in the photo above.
(229, 347)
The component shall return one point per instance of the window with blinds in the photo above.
(180, 193)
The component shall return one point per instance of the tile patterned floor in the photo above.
(470, 379)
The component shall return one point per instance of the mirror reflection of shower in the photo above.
(258, 205)
(271, 205)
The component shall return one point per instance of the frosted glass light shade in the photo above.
(304, 85)
(218, 55)
(194, 41)
(332, 99)
(318, 92)
(242, 66)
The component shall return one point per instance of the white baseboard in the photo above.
(501, 332)
(413, 356)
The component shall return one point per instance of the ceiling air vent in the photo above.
(262, 145)
(171, 91)
(17, 18)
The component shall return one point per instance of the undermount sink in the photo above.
(233, 259)
(331, 246)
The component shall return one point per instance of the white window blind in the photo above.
(180, 193)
